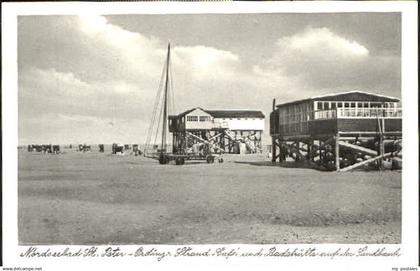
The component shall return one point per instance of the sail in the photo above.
(157, 136)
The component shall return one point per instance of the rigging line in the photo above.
(152, 122)
(169, 108)
(156, 104)
(170, 102)
(158, 126)
(171, 81)
(169, 89)
(158, 94)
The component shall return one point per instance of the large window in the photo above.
(375, 104)
(319, 106)
(192, 118)
(204, 118)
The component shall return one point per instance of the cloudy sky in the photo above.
(94, 79)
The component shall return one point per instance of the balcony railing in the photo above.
(358, 113)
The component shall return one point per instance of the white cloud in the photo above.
(131, 56)
(206, 62)
(321, 42)
(144, 56)
(97, 26)
(93, 24)
(316, 49)
(126, 54)
(317, 60)
(51, 82)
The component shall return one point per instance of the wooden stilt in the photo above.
(381, 145)
(308, 151)
(337, 152)
(284, 150)
(381, 150)
(274, 150)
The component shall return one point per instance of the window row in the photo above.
(207, 118)
(198, 118)
(334, 105)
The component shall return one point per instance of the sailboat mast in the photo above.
(165, 102)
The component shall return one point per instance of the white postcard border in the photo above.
(410, 204)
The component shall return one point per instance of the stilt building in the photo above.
(340, 131)
(228, 131)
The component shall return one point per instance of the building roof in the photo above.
(354, 96)
(226, 113)
(236, 113)
(186, 112)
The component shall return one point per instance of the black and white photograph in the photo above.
(248, 128)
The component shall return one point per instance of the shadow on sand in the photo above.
(287, 164)
(190, 163)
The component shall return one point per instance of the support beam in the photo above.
(367, 161)
(295, 149)
(204, 141)
(215, 136)
(341, 151)
(358, 148)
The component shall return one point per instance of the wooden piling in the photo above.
(274, 150)
(337, 152)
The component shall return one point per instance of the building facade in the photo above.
(231, 131)
(350, 111)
